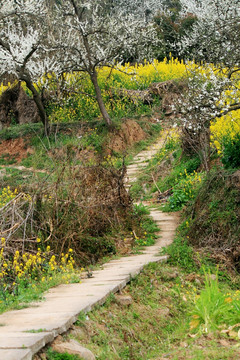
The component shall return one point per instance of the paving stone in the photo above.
(14, 354)
(17, 340)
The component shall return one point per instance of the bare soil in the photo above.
(130, 133)
(15, 149)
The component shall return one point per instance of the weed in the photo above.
(213, 307)
(7, 159)
(181, 254)
(35, 331)
(53, 355)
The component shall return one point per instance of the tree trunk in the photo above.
(38, 101)
(101, 105)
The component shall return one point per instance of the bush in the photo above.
(78, 208)
(231, 152)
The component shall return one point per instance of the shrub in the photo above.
(231, 152)
(78, 208)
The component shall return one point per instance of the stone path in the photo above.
(24, 332)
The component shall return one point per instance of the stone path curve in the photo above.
(24, 332)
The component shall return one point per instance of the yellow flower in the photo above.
(228, 300)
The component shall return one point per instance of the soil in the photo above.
(130, 133)
(15, 149)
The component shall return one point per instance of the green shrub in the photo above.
(231, 152)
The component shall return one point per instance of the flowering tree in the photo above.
(99, 33)
(215, 35)
(215, 90)
(24, 49)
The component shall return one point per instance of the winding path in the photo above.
(24, 332)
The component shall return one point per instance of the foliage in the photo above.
(213, 217)
(79, 207)
(215, 32)
(210, 94)
(15, 131)
(184, 190)
(225, 132)
(223, 128)
(22, 271)
(213, 307)
(147, 232)
(25, 46)
(7, 195)
(181, 254)
(22, 274)
(231, 152)
(172, 26)
(214, 91)
(53, 355)
(80, 102)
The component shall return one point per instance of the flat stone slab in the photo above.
(24, 332)
(15, 354)
(19, 340)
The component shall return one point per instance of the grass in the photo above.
(157, 325)
(53, 355)
(16, 131)
(63, 144)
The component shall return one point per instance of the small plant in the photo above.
(53, 355)
(213, 308)
(7, 195)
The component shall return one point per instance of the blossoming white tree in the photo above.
(24, 45)
(97, 33)
(88, 34)
(214, 40)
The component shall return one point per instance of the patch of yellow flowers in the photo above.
(227, 125)
(7, 195)
(20, 270)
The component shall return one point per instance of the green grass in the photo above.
(53, 355)
(157, 325)
(16, 131)
(146, 234)
(7, 159)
